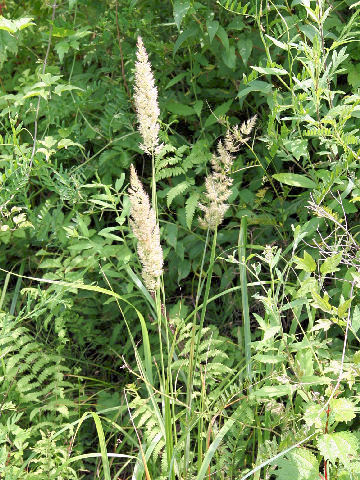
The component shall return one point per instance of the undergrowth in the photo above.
(179, 255)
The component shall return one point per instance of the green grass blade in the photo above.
(215, 444)
(102, 443)
(244, 296)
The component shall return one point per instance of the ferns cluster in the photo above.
(33, 378)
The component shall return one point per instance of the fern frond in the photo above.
(190, 206)
(176, 191)
(234, 6)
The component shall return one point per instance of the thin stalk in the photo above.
(191, 357)
(17, 288)
(194, 348)
(166, 378)
(202, 318)
(244, 297)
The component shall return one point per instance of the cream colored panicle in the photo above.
(218, 183)
(146, 102)
(146, 230)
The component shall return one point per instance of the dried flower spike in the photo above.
(146, 230)
(218, 183)
(146, 103)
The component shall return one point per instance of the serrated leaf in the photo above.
(62, 48)
(315, 415)
(339, 446)
(331, 263)
(299, 464)
(307, 263)
(190, 206)
(294, 180)
(181, 8)
(343, 409)
(12, 26)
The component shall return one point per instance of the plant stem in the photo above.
(244, 297)
(194, 349)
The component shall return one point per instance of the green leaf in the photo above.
(343, 409)
(355, 323)
(307, 263)
(255, 86)
(213, 448)
(270, 71)
(176, 80)
(189, 32)
(212, 27)
(176, 191)
(277, 42)
(299, 464)
(331, 263)
(315, 415)
(322, 303)
(198, 106)
(229, 58)
(221, 33)
(245, 46)
(339, 446)
(308, 285)
(180, 10)
(106, 233)
(179, 109)
(343, 308)
(62, 48)
(190, 206)
(268, 358)
(273, 391)
(304, 363)
(59, 89)
(12, 26)
(120, 182)
(315, 380)
(103, 449)
(295, 180)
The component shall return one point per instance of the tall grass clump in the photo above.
(180, 265)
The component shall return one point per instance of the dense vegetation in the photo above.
(179, 253)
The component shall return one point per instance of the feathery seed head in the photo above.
(146, 103)
(237, 136)
(146, 229)
(218, 183)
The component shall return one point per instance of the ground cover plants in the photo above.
(179, 254)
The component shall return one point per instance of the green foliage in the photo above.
(173, 394)
(300, 464)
